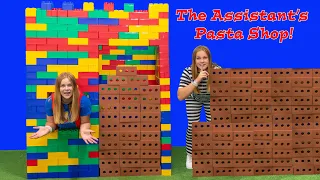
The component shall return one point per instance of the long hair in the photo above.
(194, 68)
(58, 110)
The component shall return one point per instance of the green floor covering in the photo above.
(12, 167)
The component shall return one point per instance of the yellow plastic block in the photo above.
(166, 159)
(36, 27)
(142, 67)
(117, 52)
(138, 28)
(43, 141)
(48, 162)
(151, 77)
(165, 94)
(42, 91)
(138, 42)
(78, 41)
(93, 68)
(165, 107)
(66, 162)
(164, 81)
(165, 127)
(118, 42)
(31, 12)
(88, 6)
(152, 57)
(59, 69)
(88, 61)
(31, 56)
(164, 22)
(140, 57)
(37, 169)
(157, 28)
(166, 172)
(151, 67)
(58, 155)
(148, 35)
(119, 14)
(111, 72)
(31, 122)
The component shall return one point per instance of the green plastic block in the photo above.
(100, 47)
(53, 148)
(57, 54)
(47, 75)
(31, 88)
(31, 34)
(78, 27)
(132, 62)
(68, 34)
(128, 35)
(88, 161)
(68, 134)
(78, 54)
(67, 20)
(166, 140)
(139, 52)
(126, 48)
(47, 34)
(98, 14)
(128, 7)
(46, 20)
(58, 168)
(73, 151)
(109, 57)
(41, 122)
(32, 149)
(57, 27)
(95, 108)
(94, 121)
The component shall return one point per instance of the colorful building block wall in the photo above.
(264, 122)
(91, 44)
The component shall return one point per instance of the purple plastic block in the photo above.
(67, 6)
(46, 5)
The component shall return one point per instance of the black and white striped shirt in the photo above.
(186, 79)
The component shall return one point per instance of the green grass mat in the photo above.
(13, 167)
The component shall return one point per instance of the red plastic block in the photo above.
(47, 47)
(166, 147)
(89, 48)
(139, 15)
(31, 20)
(108, 6)
(36, 41)
(119, 28)
(77, 13)
(32, 162)
(88, 75)
(128, 21)
(148, 22)
(163, 15)
(68, 48)
(59, 41)
(111, 34)
(82, 34)
(98, 28)
(90, 88)
(98, 41)
(94, 154)
(31, 47)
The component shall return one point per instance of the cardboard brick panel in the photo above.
(117, 80)
(126, 70)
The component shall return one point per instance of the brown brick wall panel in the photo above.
(220, 82)
(302, 152)
(282, 144)
(301, 82)
(282, 153)
(262, 144)
(284, 72)
(220, 101)
(109, 154)
(285, 162)
(302, 134)
(262, 153)
(281, 82)
(243, 82)
(125, 98)
(281, 101)
(226, 72)
(281, 91)
(315, 91)
(243, 171)
(106, 136)
(202, 135)
(220, 110)
(241, 109)
(282, 109)
(129, 163)
(221, 118)
(260, 72)
(219, 92)
(129, 154)
(302, 91)
(240, 91)
(150, 145)
(240, 73)
(222, 153)
(109, 126)
(303, 170)
(259, 171)
(129, 136)
(261, 82)
(117, 80)
(200, 126)
(260, 91)
(150, 154)
(223, 127)
(262, 163)
(222, 163)
(202, 154)
(243, 144)
(150, 126)
(261, 118)
(130, 171)
(316, 82)
(202, 163)
(223, 171)
(242, 135)
(129, 116)
(151, 171)
(141, 80)
(109, 99)
(111, 107)
(150, 108)
(126, 70)
(109, 172)
(150, 90)
(282, 170)
(105, 89)
(202, 172)
(150, 116)
(242, 163)
(130, 127)
(302, 110)
(262, 135)
(228, 145)
(129, 144)
(109, 163)
(150, 99)
(243, 154)
(241, 118)
(150, 135)
(109, 145)
(303, 101)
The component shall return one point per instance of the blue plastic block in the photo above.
(165, 133)
(68, 61)
(165, 118)
(31, 130)
(166, 153)
(36, 68)
(68, 174)
(93, 95)
(51, 82)
(32, 175)
(91, 173)
(94, 102)
(36, 82)
(48, 175)
(67, 6)
(31, 95)
(41, 109)
(31, 109)
(76, 142)
(32, 75)
(140, 48)
(78, 168)
(94, 115)
(124, 57)
(46, 61)
(46, 5)
(93, 81)
(88, 21)
(35, 156)
(166, 166)
(148, 62)
(37, 102)
(35, 115)
(107, 21)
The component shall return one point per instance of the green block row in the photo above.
(104, 77)
(69, 54)
(94, 121)
(47, 75)
(95, 108)
(128, 35)
(74, 151)
(52, 34)
(132, 62)
(128, 7)
(31, 88)
(98, 14)
(58, 168)
(165, 140)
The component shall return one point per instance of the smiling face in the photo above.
(66, 88)
(202, 60)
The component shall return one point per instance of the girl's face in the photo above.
(202, 60)
(66, 88)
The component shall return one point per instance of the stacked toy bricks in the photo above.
(129, 125)
(264, 122)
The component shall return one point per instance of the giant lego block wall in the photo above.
(91, 44)
(264, 122)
